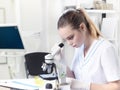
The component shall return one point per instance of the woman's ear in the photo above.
(82, 26)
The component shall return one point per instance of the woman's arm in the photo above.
(77, 85)
(108, 86)
(93, 86)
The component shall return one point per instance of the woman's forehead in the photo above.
(66, 31)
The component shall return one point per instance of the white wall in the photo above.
(32, 19)
(53, 11)
(9, 10)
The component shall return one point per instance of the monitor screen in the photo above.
(10, 38)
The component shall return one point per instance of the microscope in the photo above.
(50, 67)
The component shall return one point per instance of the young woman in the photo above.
(95, 62)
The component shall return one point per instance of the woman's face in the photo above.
(74, 37)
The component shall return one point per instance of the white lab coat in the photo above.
(100, 65)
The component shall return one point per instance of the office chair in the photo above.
(33, 65)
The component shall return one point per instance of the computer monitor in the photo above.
(10, 38)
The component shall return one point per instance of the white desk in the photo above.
(30, 84)
(26, 84)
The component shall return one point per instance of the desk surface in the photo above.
(4, 88)
(27, 84)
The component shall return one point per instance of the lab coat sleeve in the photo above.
(110, 64)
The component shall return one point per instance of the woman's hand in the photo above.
(70, 73)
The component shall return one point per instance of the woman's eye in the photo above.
(70, 37)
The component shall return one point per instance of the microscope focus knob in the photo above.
(48, 86)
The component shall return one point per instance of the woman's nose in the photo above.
(70, 43)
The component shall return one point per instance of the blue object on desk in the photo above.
(20, 84)
(25, 84)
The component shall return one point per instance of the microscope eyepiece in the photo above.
(61, 45)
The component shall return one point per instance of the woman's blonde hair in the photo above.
(75, 18)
